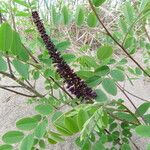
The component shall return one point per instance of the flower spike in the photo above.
(74, 84)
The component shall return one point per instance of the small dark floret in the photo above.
(74, 84)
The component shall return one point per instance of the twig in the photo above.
(134, 144)
(134, 94)
(117, 118)
(12, 86)
(127, 109)
(130, 101)
(29, 83)
(16, 92)
(21, 83)
(126, 96)
(9, 65)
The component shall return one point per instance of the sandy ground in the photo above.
(14, 107)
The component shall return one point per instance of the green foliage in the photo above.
(109, 86)
(82, 118)
(26, 124)
(3, 64)
(97, 3)
(87, 61)
(44, 109)
(142, 109)
(55, 16)
(6, 147)
(104, 52)
(21, 68)
(125, 147)
(13, 43)
(143, 130)
(21, 2)
(71, 125)
(101, 96)
(79, 16)
(40, 130)
(117, 75)
(129, 12)
(17, 47)
(27, 142)
(92, 20)
(63, 45)
(5, 33)
(12, 137)
(66, 15)
(98, 145)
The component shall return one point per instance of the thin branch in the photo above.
(134, 144)
(127, 110)
(130, 101)
(16, 92)
(133, 94)
(117, 118)
(62, 88)
(9, 65)
(12, 86)
(120, 45)
(29, 83)
(126, 96)
(22, 83)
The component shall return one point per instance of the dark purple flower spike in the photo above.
(74, 84)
